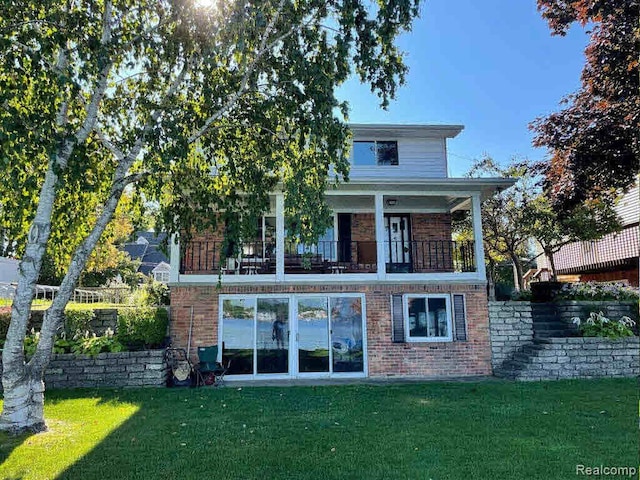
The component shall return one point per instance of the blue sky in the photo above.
(491, 65)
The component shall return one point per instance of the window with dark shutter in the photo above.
(459, 317)
(397, 319)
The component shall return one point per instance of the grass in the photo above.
(484, 430)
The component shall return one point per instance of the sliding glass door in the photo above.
(272, 340)
(313, 334)
(293, 335)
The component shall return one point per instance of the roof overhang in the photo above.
(426, 186)
(409, 130)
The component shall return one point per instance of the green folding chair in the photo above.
(210, 371)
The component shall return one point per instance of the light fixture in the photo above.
(391, 202)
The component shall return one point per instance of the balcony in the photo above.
(401, 236)
(330, 257)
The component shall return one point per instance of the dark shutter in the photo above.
(397, 319)
(459, 317)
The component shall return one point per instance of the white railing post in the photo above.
(478, 243)
(174, 272)
(279, 237)
(379, 222)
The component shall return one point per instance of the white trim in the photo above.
(419, 192)
(293, 328)
(380, 240)
(477, 236)
(427, 296)
(174, 272)
(279, 277)
(319, 279)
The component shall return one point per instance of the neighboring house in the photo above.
(8, 270)
(384, 292)
(153, 262)
(612, 258)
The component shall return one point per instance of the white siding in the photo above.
(417, 157)
(628, 207)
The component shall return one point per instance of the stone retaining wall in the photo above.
(581, 357)
(511, 327)
(568, 309)
(121, 369)
(517, 354)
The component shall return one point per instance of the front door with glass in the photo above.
(397, 251)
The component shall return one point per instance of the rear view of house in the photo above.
(387, 291)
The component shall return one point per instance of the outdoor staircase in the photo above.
(523, 362)
(548, 322)
(529, 359)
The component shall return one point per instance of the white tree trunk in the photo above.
(23, 388)
(24, 383)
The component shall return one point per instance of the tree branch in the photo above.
(233, 98)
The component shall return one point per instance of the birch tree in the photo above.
(203, 106)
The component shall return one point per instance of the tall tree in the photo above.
(503, 214)
(552, 229)
(203, 106)
(594, 141)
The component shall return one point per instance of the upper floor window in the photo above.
(375, 153)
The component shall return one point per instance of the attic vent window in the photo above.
(375, 153)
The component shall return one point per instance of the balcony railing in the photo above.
(330, 257)
(429, 256)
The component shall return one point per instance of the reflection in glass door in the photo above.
(237, 334)
(290, 335)
(313, 334)
(346, 335)
(272, 335)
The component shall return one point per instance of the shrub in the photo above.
(594, 291)
(522, 296)
(78, 321)
(157, 293)
(93, 345)
(30, 343)
(5, 320)
(142, 327)
(597, 325)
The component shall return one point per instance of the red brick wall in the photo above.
(430, 226)
(446, 359)
(363, 237)
(431, 256)
(202, 254)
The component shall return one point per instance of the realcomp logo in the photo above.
(606, 471)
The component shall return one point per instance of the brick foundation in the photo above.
(437, 359)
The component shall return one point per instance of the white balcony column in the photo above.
(380, 237)
(279, 237)
(477, 236)
(174, 253)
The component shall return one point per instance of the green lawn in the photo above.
(488, 430)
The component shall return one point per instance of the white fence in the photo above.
(80, 295)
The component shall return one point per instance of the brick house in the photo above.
(386, 292)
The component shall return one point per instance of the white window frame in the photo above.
(161, 276)
(405, 305)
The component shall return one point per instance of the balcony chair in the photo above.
(208, 370)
